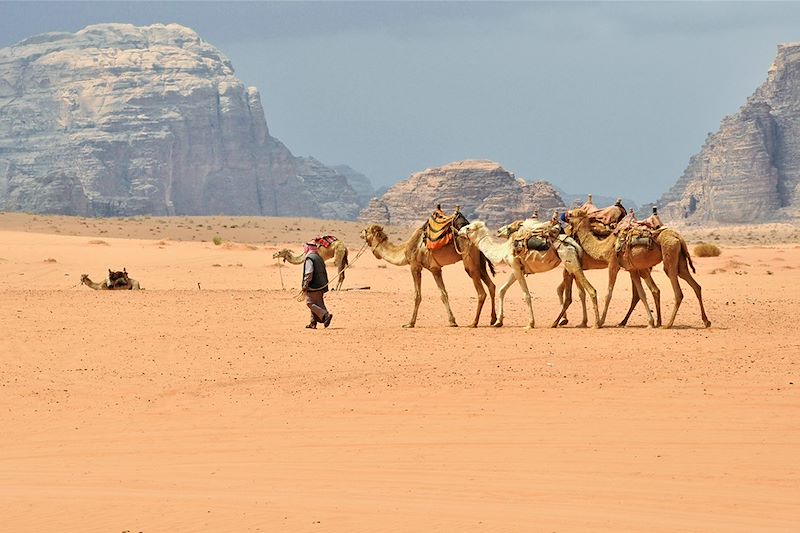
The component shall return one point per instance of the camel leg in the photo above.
(527, 294)
(585, 286)
(634, 301)
(487, 280)
(416, 273)
(613, 270)
(683, 271)
(564, 291)
(338, 260)
(476, 281)
(637, 282)
(500, 310)
(437, 275)
(564, 298)
(654, 290)
(676, 289)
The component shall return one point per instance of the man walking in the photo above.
(315, 285)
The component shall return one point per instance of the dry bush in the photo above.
(706, 250)
(217, 240)
(98, 241)
(50, 260)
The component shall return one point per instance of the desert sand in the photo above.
(202, 403)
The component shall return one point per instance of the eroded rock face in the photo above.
(484, 190)
(749, 170)
(124, 120)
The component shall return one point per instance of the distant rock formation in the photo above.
(360, 183)
(484, 190)
(749, 170)
(124, 120)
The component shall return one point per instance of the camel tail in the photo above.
(491, 266)
(685, 249)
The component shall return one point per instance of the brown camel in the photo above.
(414, 253)
(132, 285)
(336, 251)
(670, 249)
(587, 262)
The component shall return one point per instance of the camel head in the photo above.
(474, 230)
(509, 229)
(574, 218)
(373, 235)
(84, 279)
(283, 253)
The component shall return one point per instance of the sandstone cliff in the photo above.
(124, 120)
(749, 170)
(484, 190)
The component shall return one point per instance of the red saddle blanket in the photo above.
(325, 240)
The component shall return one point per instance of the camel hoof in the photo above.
(564, 322)
(409, 325)
(498, 324)
(668, 326)
(595, 326)
(707, 323)
(554, 325)
(622, 324)
(474, 325)
(453, 325)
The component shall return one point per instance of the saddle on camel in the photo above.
(440, 228)
(631, 232)
(603, 221)
(537, 238)
(324, 241)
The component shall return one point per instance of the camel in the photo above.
(414, 253)
(336, 251)
(670, 249)
(564, 290)
(562, 250)
(132, 285)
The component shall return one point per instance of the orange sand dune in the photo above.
(181, 408)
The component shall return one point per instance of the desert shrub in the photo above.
(217, 240)
(706, 250)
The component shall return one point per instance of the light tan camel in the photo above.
(670, 249)
(564, 289)
(563, 250)
(336, 251)
(414, 253)
(132, 285)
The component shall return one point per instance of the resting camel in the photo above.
(414, 253)
(336, 251)
(132, 285)
(670, 249)
(563, 249)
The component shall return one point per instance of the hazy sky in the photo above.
(611, 98)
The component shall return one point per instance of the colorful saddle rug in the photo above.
(325, 240)
(440, 228)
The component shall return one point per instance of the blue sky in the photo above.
(610, 98)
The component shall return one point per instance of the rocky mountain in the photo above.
(484, 190)
(124, 120)
(749, 170)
